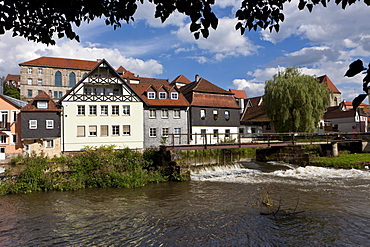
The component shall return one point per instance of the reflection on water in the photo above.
(216, 208)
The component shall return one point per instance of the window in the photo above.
(104, 110)
(202, 133)
(108, 91)
(3, 139)
(39, 91)
(88, 91)
(227, 133)
(176, 113)
(215, 114)
(151, 95)
(42, 105)
(58, 79)
(162, 95)
(126, 130)
(92, 110)
(29, 93)
(14, 115)
(115, 130)
(174, 96)
(227, 115)
(72, 79)
(29, 71)
(50, 124)
(14, 139)
(32, 124)
(39, 82)
(165, 132)
(85, 74)
(49, 143)
(203, 114)
(99, 91)
(164, 113)
(29, 81)
(39, 71)
(152, 113)
(81, 110)
(115, 91)
(80, 131)
(177, 131)
(215, 133)
(58, 94)
(241, 130)
(92, 130)
(126, 110)
(115, 110)
(103, 130)
(152, 132)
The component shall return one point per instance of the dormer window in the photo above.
(174, 96)
(42, 105)
(151, 95)
(162, 95)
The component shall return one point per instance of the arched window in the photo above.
(72, 79)
(58, 79)
(335, 101)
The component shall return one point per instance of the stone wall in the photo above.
(290, 154)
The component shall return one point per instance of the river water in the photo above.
(218, 207)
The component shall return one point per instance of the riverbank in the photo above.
(95, 167)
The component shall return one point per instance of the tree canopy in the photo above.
(39, 20)
(11, 91)
(295, 102)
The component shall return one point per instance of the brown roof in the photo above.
(331, 86)
(256, 101)
(348, 104)
(181, 79)
(336, 112)
(203, 86)
(141, 90)
(125, 73)
(241, 94)
(213, 100)
(32, 106)
(255, 114)
(10, 77)
(61, 63)
(153, 81)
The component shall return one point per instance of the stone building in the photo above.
(55, 76)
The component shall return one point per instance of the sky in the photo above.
(323, 42)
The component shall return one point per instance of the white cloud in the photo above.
(17, 50)
(222, 43)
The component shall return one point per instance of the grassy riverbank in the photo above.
(96, 167)
(344, 160)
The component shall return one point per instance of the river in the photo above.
(218, 207)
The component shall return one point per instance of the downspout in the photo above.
(62, 129)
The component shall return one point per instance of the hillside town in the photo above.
(68, 104)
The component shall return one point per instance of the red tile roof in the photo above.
(336, 112)
(126, 73)
(348, 104)
(141, 90)
(214, 100)
(331, 86)
(32, 106)
(256, 101)
(61, 63)
(181, 79)
(153, 81)
(203, 86)
(241, 94)
(10, 77)
(255, 114)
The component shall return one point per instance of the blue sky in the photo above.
(323, 42)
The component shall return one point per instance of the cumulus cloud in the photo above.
(222, 43)
(17, 50)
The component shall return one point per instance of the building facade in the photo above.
(101, 109)
(55, 76)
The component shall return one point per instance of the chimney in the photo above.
(197, 78)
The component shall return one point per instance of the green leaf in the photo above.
(205, 32)
(367, 2)
(196, 35)
(301, 4)
(309, 7)
(194, 27)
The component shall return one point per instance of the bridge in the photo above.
(224, 141)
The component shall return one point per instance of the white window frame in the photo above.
(116, 112)
(93, 110)
(14, 139)
(164, 113)
(29, 81)
(42, 105)
(162, 95)
(115, 130)
(126, 133)
(93, 133)
(49, 144)
(15, 116)
(84, 130)
(39, 71)
(174, 95)
(165, 132)
(39, 82)
(177, 132)
(126, 110)
(104, 110)
(203, 113)
(32, 124)
(5, 139)
(49, 124)
(29, 71)
(151, 95)
(152, 113)
(152, 132)
(176, 113)
(107, 129)
(81, 110)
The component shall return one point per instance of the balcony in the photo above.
(4, 126)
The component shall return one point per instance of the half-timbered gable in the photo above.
(165, 117)
(102, 109)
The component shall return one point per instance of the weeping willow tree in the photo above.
(295, 102)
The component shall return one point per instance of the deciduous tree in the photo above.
(39, 20)
(295, 102)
